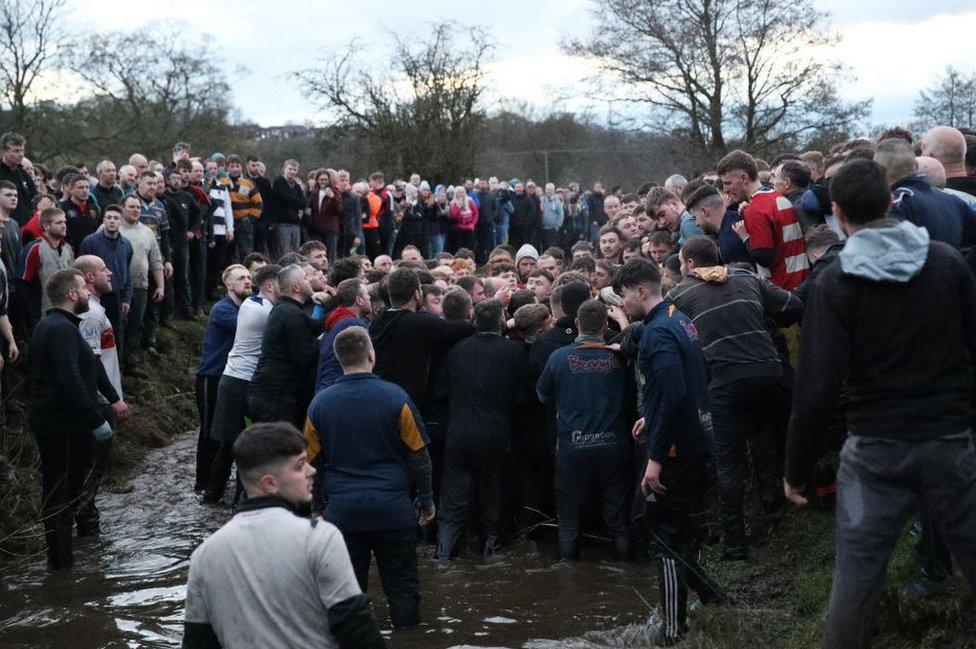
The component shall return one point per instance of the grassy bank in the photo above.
(781, 595)
(163, 406)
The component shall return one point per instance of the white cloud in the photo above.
(893, 61)
(894, 47)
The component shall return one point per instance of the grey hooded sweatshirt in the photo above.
(896, 317)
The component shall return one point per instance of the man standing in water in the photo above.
(367, 435)
(678, 429)
(269, 578)
(65, 415)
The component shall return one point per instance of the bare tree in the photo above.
(950, 101)
(154, 86)
(721, 70)
(420, 112)
(32, 38)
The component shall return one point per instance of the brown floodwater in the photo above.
(127, 588)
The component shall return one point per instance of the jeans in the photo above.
(65, 464)
(501, 231)
(134, 324)
(748, 415)
(577, 478)
(206, 395)
(435, 245)
(243, 237)
(288, 237)
(396, 559)
(331, 241)
(879, 485)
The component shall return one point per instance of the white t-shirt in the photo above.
(252, 319)
(96, 329)
(267, 579)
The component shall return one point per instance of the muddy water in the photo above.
(127, 588)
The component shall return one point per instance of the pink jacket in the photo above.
(460, 222)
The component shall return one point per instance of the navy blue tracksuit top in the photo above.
(675, 395)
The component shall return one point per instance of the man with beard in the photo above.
(231, 405)
(65, 415)
(218, 338)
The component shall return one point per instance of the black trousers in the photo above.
(217, 259)
(371, 239)
(471, 476)
(610, 476)
(674, 521)
(748, 415)
(396, 559)
(228, 422)
(154, 315)
(65, 464)
(197, 251)
(180, 256)
(134, 325)
(112, 303)
(486, 241)
(280, 408)
(87, 518)
(206, 394)
(518, 235)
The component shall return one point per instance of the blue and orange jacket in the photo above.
(360, 432)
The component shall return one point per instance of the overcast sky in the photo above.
(893, 47)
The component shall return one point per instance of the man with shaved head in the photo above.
(948, 145)
(947, 218)
(97, 330)
(935, 172)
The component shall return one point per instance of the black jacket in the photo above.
(524, 216)
(184, 214)
(80, 224)
(487, 210)
(26, 191)
(264, 188)
(563, 333)
(404, 340)
(906, 350)
(66, 378)
(803, 290)
(730, 309)
(288, 201)
(487, 379)
(594, 208)
(289, 354)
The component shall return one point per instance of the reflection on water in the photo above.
(127, 588)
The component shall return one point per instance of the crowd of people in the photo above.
(460, 365)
